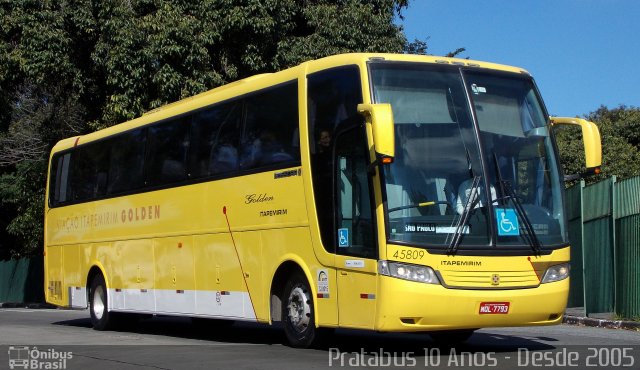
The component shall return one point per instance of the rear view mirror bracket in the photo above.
(592, 145)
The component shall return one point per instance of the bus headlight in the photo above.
(556, 273)
(421, 274)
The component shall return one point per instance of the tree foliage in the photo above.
(620, 134)
(68, 67)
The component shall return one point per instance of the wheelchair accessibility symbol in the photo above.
(343, 238)
(507, 222)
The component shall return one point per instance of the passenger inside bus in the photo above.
(224, 157)
(264, 149)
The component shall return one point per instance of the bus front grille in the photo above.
(489, 279)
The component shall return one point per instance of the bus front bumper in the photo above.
(407, 306)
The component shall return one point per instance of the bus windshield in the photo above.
(463, 137)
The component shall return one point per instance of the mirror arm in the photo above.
(572, 177)
(583, 175)
(592, 144)
(380, 119)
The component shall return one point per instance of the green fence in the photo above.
(604, 229)
(22, 280)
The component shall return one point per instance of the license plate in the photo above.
(494, 308)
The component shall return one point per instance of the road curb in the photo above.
(26, 305)
(601, 323)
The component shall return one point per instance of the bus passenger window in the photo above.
(127, 161)
(215, 134)
(60, 177)
(167, 154)
(89, 171)
(270, 126)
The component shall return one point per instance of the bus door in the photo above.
(356, 247)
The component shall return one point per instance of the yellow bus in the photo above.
(393, 193)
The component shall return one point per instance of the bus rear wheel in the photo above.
(101, 318)
(298, 313)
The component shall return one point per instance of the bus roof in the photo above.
(249, 84)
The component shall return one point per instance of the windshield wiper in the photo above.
(474, 198)
(508, 193)
(419, 205)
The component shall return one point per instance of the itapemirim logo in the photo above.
(24, 357)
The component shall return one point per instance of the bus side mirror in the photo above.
(592, 144)
(381, 118)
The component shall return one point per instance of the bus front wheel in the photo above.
(298, 313)
(98, 306)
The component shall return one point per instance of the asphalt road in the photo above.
(64, 339)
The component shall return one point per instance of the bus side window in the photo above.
(126, 162)
(166, 157)
(215, 134)
(60, 179)
(89, 170)
(270, 126)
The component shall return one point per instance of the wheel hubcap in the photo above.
(98, 302)
(299, 309)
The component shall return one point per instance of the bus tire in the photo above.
(451, 337)
(101, 318)
(298, 313)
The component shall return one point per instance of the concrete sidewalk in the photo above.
(576, 316)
